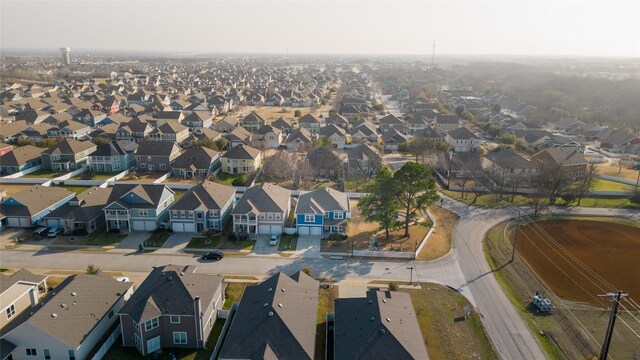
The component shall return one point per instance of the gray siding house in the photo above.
(67, 155)
(196, 162)
(206, 206)
(141, 207)
(156, 155)
(112, 157)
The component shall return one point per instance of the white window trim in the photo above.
(10, 311)
(309, 218)
(171, 317)
(338, 215)
(180, 341)
(151, 324)
(143, 212)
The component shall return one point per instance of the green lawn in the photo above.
(602, 202)
(602, 184)
(98, 176)
(219, 242)
(178, 194)
(44, 174)
(98, 237)
(233, 293)
(157, 239)
(227, 179)
(288, 242)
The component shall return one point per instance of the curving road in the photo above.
(464, 268)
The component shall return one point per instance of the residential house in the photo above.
(156, 155)
(509, 165)
(274, 320)
(114, 156)
(569, 158)
(241, 159)
(71, 321)
(325, 163)
(533, 138)
(393, 138)
(262, 210)
(299, 140)
(206, 206)
(268, 137)
(110, 105)
(417, 123)
(322, 212)
(135, 130)
(253, 122)
(463, 166)
(19, 291)
(429, 133)
(170, 131)
(381, 325)
(164, 117)
(283, 124)
(69, 130)
(338, 120)
(363, 132)
(238, 136)
(310, 123)
(67, 155)
(197, 120)
(20, 159)
(363, 160)
(569, 125)
(336, 135)
(82, 214)
(446, 123)
(196, 162)
(225, 125)
(616, 141)
(26, 208)
(391, 122)
(463, 140)
(138, 207)
(174, 307)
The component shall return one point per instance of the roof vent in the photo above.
(382, 331)
(74, 293)
(265, 304)
(170, 278)
(181, 274)
(54, 315)
(270, 289)
(384, 301)
(63, 305)
(388, 320)
(270, 313)
(372, 318)
(283, 290)
(370, 301)
(279, 305)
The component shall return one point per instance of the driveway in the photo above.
(134, 239)
(176, 242)
(262, 246)
(308, 246)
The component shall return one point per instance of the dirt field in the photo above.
(439, 243)
(270, 113)
(608, 249)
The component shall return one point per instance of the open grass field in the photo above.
(576, 328)
(270, 113)
(611, 250)
(612, 170)
(439, 243)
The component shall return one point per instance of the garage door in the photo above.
(316, 230)
(275, 230)
(139, 225)
(182, 227)
(264, 229)
(54, 223)
(18, 222)
(303, 230)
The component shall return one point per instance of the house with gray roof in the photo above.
(67, 155)
(241, 159)
(283, 124)
(364, 131)
(300, 139)
(509, 163)
(262, 210)
(138, 207)
(114, 156)
(156, 155)
(71, 321)
(463, 140)
(206, 206)
(196, 162)
(28, 207)
(174, 307)
(253, 122)
(19, 291)
(82, 214)
(429, 133)
(568, 158)
(268, 137)
(20, 159)
(325, 162)
(310, 123)
(444, 123)
(363, 160)
(391, 122)
(336, 135)
(274, 320)
(238, 136)
(393, 138)
(322, 212)
(382, 325)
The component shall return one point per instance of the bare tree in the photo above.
(515, 181)
(551, 181)
(587, 182)
(277, 166)
(499, 177)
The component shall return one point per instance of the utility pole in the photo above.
(612, 321)
(515, 238)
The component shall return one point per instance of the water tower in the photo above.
(66, 55)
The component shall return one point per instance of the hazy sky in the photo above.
(364, 27)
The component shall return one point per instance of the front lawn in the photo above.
(288, 242)
(220, 242)
(97, 176)
(233, 293)
(44, 174)
(98, 237)
(157, 239)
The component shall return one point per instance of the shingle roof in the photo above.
(264, 198)
(332, 129)
(462, 133)
(362, 152)
(205, 196)
(275, 320)
(170, 290)
(300, 135)
(390, 120)
(507, 159)
(322, 200)
(200, 157)
(69, 146)
(110, 149)
(156, 148)
(22, 275)
(20, 156)
(308, 119)
(382, 325)
(90, 205)
(151, 193)
(447, 119)
(242, 152)
(393, 136)
(34, 200)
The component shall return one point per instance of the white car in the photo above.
(274, 240)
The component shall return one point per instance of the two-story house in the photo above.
(569, 159)
(241, 159)
(507, 165)
(267, 137)
(67, 155)
(363, 161)
(206, 206)
(337, 136)
(262, 210)
(417, 123)
(19, 291)
(135, 130)
(196, 162)
(253, 122)
(391, 122)
(156, 155)
(28, 207)
(170, 131)
(322, 212)
(446, 123)
(364, 131)
(173, 308)
(393, 138)
(82, 214)
(20, 159)
(238, 136)
(113, 157)
(299, 140)
(69, 130)
(463, 140)
(310, 123)
(197, 120)
(138, 207)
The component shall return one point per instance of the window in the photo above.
(269, 216)
(143, 165)
(139, 158)
(179, 337)
(151, 324)
(190, 214)
(175, 319)
(327, 214)
(338, 215)
(47, 354)
(309, 217)
(110, 314)
(199, 215)
(31, 352)
(277, 217)
(182, 213)
(136, 340)
(163, 167)
(148, 158)
(11, 310)
(72, 354)
(143, 212)
(55, 157)
(116, 166)
(261, 216)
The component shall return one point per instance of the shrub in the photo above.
(568, 197)
(239, 181)
(307, 270)
(297, 113)
(393, 286)
(635, 198)
(92, 269)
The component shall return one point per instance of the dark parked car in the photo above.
(213, 255)
(40, 233)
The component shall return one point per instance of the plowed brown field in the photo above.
(610, 250)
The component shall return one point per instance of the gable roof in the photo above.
(157, 148)
(150, 193)
(564, 156)
(263, 198)
(170, 290)
(362, 152)
(301, 135)
(332, 129)
(242, 152)
(390, 120)
(111, 149)
(393, 136)
(321, 200)
(382, 325)
(34, 200)
(253, 118)
(508, 159)
(205, 196)
(308, 119)
(447, 119)
(85, 207)
(69, 146)
(199, 157)
(20, 156)
(462, 133)
(275, 320)
(22, 275)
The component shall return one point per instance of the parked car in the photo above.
(40, 233)
(274, 240)
(54, 232)
(213, 255)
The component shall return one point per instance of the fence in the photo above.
(24, 172)
(225, 329)
(107, 344)
(33, 181)
(73, 173)
(163, 177)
